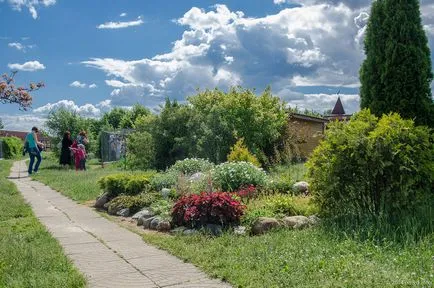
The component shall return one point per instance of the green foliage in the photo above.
(230, 176)
(372, 168)
(279, 184)
(281, 205)
(163, 180)
(162, 208)
(189, 166)
(1, 124)
(114, 117)
(133, 203)
(29, 255)
(397, 72)
(239, 113)
(12, 147)
(141, 150)
(61, 120)
(128, 184)
(173, 134)
(128, 119)
(239, 152)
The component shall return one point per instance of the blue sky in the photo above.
(95, 55)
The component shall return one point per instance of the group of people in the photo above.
(69, 150)
(74, 150)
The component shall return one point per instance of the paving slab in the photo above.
(107, 254)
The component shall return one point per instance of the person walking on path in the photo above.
(65, 153)
(32, 144)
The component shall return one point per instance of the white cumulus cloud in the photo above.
(93, 85)
(119, 24)
(77, 84)
(316, 44)
(31, 5)
(27, 66)
(86, 110)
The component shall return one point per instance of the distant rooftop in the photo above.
(339, 108)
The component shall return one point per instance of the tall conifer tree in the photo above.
(397, 73)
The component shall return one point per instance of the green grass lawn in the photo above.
(78, 185)
(309, 258)
(29, 256)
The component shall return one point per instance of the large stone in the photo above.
(214, 229)
(264, 224)
(103, 199)
(313, 220)
(147, 213)
(147, 222)
(163, 226)
(196, 177)
(240, 230)
(296, 222)
(154, 223)
(190, 231)
(165, 192)
(123, 212)
(301, 187)
(179, 229)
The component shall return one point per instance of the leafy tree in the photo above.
(397, 72)
(114, 117)
(173, 138)
(1, 124)
(9, 93)
(224, 117)
(62, 120)
(131, 116)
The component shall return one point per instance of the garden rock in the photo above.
(123, 212)
(196, 177)
(103, 199)
(296, 222)
(179, 229)
(301, 187)
(163, 226)
(154, 223)
(264, 224)
(214, 229)
(240, 230)
(190, 231)
(143, 213)
(165, 192)
(147, 222)
(106, 205)
(313, 220)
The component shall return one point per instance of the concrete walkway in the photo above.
(108, 255)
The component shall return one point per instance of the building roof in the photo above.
(308, 118)
(339, 108)
(8, 133)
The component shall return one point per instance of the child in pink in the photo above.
(80, 157)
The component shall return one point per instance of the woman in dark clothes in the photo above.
(65, 153)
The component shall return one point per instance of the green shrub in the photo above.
(253, 213)
(128, 184)
(162, 208)
(12, 147)
(281, 205)
(133, 203)
(240, 152)
(189, 166)
(278, 184)
(375, 168)
(141, 150)
(230, 176)
(164, 180)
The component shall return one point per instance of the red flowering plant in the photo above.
(9, 93)
(247, 192)
(207, 208)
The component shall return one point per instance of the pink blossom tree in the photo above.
(9, 93)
